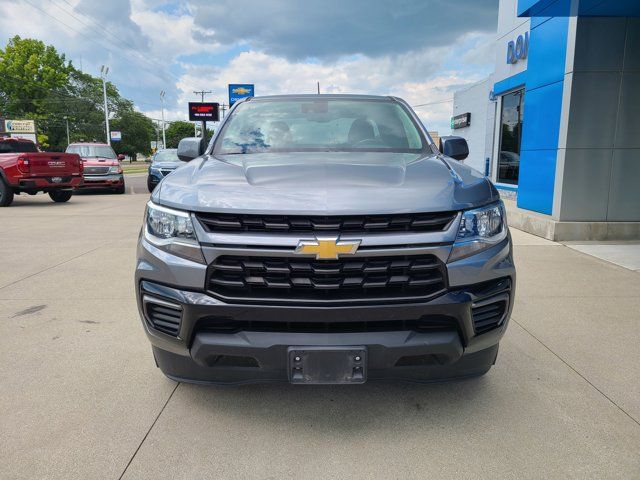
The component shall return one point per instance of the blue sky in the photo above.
(420, 50)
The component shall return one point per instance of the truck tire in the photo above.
(61, 196)
(120, 190)
(6, 194)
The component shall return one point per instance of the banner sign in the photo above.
(238, 91)
(204, 112)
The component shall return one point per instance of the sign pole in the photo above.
(204, 130)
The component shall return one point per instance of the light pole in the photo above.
(66, 119)
(103, 74)
(164, 139)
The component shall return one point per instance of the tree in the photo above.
(176, 132)
(137, 131)
(37, 82)
(30, 73)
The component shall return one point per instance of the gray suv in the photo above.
(324, 239)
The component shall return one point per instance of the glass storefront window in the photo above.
(510, 137)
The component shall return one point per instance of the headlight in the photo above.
(480, 229)
(115, 169)
(172, 231)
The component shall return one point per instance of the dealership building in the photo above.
(557, 124)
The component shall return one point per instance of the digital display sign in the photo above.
(204, 112)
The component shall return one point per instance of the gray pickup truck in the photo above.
(324, 239)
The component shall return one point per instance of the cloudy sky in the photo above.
(420, 50)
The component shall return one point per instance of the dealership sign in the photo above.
(204, 112)
(518, 50)
(116, 136)
(20, 126)
(238, 91)
(461, 121)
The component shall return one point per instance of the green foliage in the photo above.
(137, 132)
(37, 82)
(177, 131)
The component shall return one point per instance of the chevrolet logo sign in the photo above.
(327, 248)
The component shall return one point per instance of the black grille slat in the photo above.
(415, 222)
(292, 279)
(164, 317)
(222, 325)
(487, 317)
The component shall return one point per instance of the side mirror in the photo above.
(120, 157)
(454, 147)
(190, 148)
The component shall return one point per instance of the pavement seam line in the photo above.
(577, 373)
(149, 431)
(63, 262)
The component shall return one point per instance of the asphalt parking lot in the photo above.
(81, 397)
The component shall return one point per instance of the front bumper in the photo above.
(47, 184)
(103, 181)
(434, 340)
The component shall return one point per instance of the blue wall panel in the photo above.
(542, 108)
(510, 83)
(542, 111)
(547, 53)
(537, 176)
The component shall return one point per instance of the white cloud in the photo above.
(158, 37)
(386, 76)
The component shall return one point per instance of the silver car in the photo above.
(324, 239)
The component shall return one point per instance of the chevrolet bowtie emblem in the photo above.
(327, 248)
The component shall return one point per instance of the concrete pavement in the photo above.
(81, 397)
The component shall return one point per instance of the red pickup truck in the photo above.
(24, 169)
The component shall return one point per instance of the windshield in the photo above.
(297, 125)
(168, 155)
(92, 151)
(18, 147)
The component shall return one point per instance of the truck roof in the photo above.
(323, 96)
(89, 143)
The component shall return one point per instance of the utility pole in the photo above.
(318, 88)
(202, 93)
(164, 139)
(223, 107)
(103, 74)
(66, 119)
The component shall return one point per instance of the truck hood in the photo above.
(324, 183)
(99, 162)
(167, 165)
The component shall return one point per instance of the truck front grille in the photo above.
(413, 222)
(96, 170)
(299, 279)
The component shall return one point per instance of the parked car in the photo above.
(24, 169)
(163, 163)
(101, 166)
(324, 239)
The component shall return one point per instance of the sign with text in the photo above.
(204, 112)
(20, 126)
(238, 91)
(116, 136)
(518, 50)
(461, 121)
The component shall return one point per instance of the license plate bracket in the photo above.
(327, 365)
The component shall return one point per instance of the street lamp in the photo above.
(164, 139)
(66, 119)
(104, 71)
